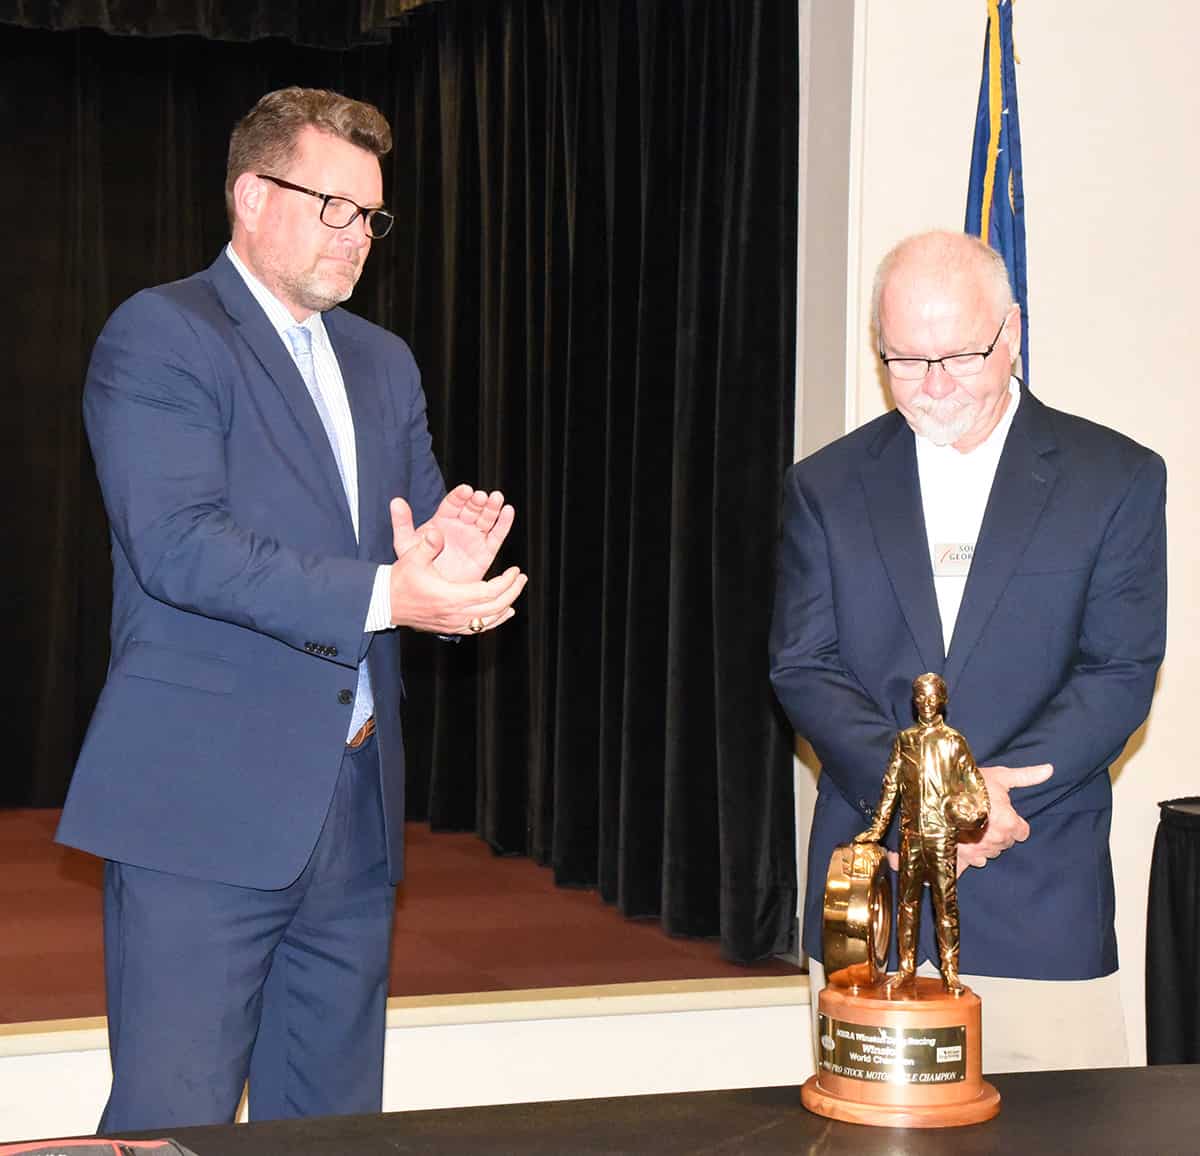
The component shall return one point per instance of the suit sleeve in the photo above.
(1122, 638)
(428, 487)
(156, 418)
(825, 703)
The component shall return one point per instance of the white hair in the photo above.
(955, 253)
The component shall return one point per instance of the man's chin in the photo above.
(941, 433)
(327, 293)
(942, 437)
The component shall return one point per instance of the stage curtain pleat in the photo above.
(330, 24)
(594, 263)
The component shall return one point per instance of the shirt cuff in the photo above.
(379, 613)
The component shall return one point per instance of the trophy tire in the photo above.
(857, 917)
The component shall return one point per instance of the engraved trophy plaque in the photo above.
(903, 1050)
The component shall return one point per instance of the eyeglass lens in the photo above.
(339, 212)
(959, 365)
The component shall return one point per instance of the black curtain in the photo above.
(318, 23)
(594, 263)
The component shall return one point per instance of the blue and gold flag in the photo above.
(995, 197)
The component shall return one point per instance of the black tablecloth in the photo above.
(1173, 937)
(1155, 1111)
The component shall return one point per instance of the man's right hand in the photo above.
(1004, 826)
(421, 598)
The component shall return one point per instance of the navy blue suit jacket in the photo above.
(239, 591)
(1053, 659)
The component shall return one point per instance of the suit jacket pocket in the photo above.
(159, 663)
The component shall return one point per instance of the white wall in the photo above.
(1109, 103)
(489, 1048)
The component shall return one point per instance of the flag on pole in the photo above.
(995, 196)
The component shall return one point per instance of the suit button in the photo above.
(345, 697)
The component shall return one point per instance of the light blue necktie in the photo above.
(300, 339)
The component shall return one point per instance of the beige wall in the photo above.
(1109, 103)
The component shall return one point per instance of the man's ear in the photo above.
(249, 200)
(1012, 335)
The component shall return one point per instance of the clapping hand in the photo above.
(437, 579)
(473, 525)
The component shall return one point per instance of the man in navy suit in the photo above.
(1020, 553)
(276, 512)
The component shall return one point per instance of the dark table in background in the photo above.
(1173, 936)
(1152, 1111)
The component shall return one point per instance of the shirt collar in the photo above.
(277, 312)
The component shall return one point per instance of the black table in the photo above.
(1152, 1111)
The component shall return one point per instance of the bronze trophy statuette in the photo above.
(903, 1050)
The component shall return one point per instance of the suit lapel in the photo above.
(264, 342)
(363, 396)
(1024, 479)
(889, 476)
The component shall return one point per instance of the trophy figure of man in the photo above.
(932, 774)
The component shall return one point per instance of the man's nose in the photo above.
(355, 235)
(938, 383)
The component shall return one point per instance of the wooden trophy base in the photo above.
(906, 1057)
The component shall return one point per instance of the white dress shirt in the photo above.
(333, 390)
(954, 494)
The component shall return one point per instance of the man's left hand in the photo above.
(474, 525)
(1004, 826)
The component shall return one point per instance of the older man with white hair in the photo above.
(1020, 553)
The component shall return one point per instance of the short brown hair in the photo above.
(264, 140)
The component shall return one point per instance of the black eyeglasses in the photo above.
(338, 212)
(955, 364)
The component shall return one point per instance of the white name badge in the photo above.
(952, 559)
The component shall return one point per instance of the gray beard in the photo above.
(944, 429)
(313, 294)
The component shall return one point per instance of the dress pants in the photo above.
(210, 984)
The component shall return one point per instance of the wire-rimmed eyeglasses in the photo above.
(955, 364)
